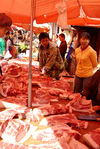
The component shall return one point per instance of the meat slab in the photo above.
(80, 104)
(93, 138)
(16, 131)
(63, 119)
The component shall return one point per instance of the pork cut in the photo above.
(19, 112)
(93, 138)
(16, 131)
(75, 144)
(63, 119)
(55, 132)
(81, 104)
(56, 108)
(50, 145)
(49, 82)
(42, 96)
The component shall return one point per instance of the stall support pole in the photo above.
(30, 54)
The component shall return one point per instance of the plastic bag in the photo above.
(7, 55)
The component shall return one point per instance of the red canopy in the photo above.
(79, 12)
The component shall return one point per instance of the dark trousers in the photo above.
(0, 71)
(80, 84)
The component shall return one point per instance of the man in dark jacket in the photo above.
(63, 45)
(50, 60)
(92, 91)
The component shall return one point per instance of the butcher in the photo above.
(50, 60)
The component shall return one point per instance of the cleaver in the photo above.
(89, 117)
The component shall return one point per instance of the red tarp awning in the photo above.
(46, 11)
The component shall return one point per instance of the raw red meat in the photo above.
(16, 131)
(42, 96)
(18, 112)
(41, 81)
(61, 84)
(12, 69)
(50, 145)
(55, 132)
(63, 94)
(75, 144)
(3, 63)
(49, 82)
(63, 119)
(74, 96)
(50, 109)
(80, 104)
(13, 86)
(20, 99)
(64, 143)
(93, 138)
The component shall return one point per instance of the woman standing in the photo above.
(86, 61)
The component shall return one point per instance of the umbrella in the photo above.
(79, 12)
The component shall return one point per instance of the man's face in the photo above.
(61, 38)
(45, 42)
(2, 31)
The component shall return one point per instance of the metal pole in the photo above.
(30, 54)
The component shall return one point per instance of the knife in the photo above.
(66, 76)
(89, 117)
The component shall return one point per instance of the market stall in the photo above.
(55, 119)
(52, 121)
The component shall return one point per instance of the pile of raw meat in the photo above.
(49, 125)
(52, 131)
(45, 90)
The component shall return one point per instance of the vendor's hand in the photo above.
(43, 74)
(43, 71)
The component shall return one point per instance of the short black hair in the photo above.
(19, 32)
(5, 21)
(85, 34)
(8, 33)
(62, 35)
(43, 35)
